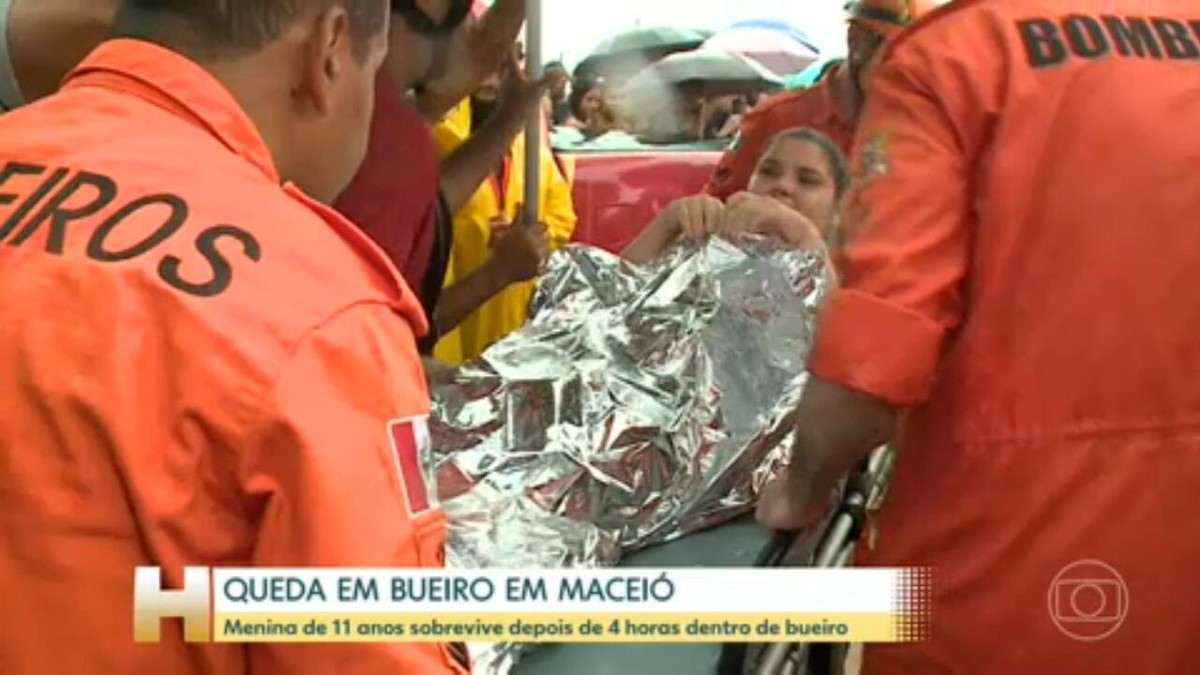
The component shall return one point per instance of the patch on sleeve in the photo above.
(411, 448)
(873, 161)
(875, 157)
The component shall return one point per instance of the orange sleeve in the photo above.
(331, 486)
(733, 172)
(909, 217)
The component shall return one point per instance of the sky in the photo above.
(571, 28)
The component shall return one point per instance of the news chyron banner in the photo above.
(537, 606)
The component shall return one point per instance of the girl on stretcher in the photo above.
(793, 196)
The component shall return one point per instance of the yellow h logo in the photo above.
(151, 604)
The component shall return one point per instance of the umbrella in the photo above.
(810, 75)
(706, 72)
(779, 47)
(628, 52)
(778, 27)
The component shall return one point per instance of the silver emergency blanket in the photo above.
(637, 405)
(644, 401)
(488, 528)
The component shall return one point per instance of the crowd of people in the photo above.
(232, 231)
(588, 105)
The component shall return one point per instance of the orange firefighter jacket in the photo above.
(1020, 276)
(200, 366)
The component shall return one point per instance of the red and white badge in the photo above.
(410, 443)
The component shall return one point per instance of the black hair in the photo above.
(579, 90)
(419, 21)
(222, 26)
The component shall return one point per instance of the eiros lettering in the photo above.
(49, 200)
(1051, 42)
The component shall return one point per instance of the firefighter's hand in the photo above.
(751, 213)
(520, 250)
(698, 217)
(788, 505)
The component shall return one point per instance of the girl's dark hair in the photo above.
(838, 167)
(579, 89)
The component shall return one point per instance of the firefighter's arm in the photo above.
(330, 484)
(881, 336)
(737, 164)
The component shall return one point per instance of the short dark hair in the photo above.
(234, 25)
(419, 21)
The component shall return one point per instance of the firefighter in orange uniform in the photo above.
(1017, 304)
(202, 364)
(831, 106)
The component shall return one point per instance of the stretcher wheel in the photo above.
(832, 546)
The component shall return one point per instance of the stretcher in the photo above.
(862, 493)
(741, 543)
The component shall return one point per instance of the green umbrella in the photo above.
(628, 52)
(810, 75)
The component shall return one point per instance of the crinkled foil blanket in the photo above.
(637, 405)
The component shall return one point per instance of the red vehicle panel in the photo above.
(618, 193)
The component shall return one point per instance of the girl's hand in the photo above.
(698, 217)
(751, 213)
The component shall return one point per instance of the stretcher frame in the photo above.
(832, 546)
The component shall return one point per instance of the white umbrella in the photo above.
(783, 52)
(708, 72)
(624, 54)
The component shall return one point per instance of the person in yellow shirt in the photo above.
(488, 219)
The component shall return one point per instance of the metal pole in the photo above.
(533, 126)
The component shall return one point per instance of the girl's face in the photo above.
(796, 173)
(591, 103)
